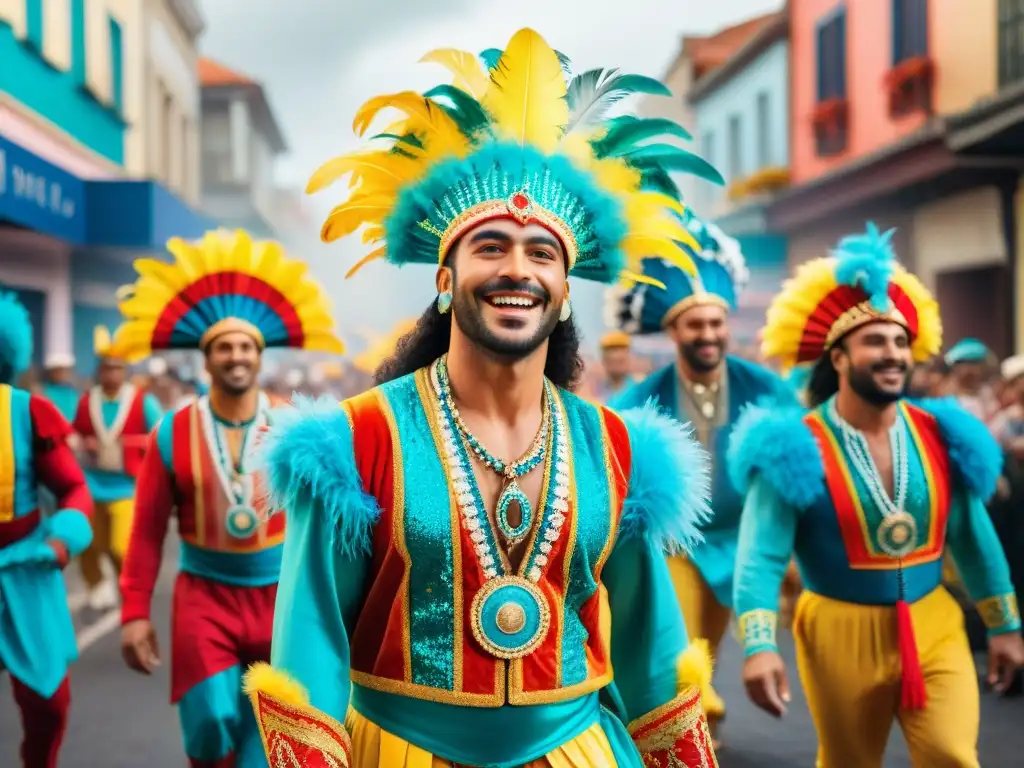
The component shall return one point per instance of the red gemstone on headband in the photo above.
(520, 201)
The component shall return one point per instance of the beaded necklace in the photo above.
(897, 536)
(509, 471)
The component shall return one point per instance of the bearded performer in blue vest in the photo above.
(706, 388)
(475, 548)
(869, 490)
(37, 639)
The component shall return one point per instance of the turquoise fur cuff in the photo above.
(309, 460)
(669, 485)
(72, 528)
(776, 444)
(973, 451)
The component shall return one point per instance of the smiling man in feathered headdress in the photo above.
(231, 298)
(869, 490)
(462, 535)
(706, 388)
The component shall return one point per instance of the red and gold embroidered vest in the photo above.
(417, 634)
(205, 507)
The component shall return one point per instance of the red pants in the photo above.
(43, 721)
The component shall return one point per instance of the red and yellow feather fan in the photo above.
(224, 282)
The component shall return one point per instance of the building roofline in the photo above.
(775, 30)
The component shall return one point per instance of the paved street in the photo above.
(122, 720)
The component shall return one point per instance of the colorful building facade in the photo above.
(741, 120)
(77, 200)
(876, 89)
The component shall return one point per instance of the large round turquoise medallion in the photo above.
(897, 535)
(510, 617)
(242, 521)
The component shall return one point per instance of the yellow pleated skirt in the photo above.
(373, 747)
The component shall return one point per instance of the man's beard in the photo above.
(863, 383)
(229, 387)
(468, 316)
(690, 353)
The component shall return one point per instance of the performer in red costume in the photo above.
(113, 420)
(37, 639)
(231, 298)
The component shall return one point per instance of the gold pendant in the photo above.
(897, 535)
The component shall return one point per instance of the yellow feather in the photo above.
(629, 276)
(526, 96)
(373, 234)
(468, 72)
(616, 177)
(377, 168)
(372, 256)
(349, 216)
(431, 124)
(101, 340)
(637, 247)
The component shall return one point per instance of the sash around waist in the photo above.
(506, 735)
(18, 528)
(241, 569)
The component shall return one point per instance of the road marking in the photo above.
(99, 629)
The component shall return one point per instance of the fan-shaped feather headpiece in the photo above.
(860, 283)
(15, 337)
(720, 276)
(224, 282)
(511, 138)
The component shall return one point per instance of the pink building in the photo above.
(888, 123)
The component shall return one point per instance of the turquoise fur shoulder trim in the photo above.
(308, 456)
(973, 451)
(669, 482)
(776, 443)
(15, 336)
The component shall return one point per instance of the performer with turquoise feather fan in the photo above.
(37, 638)
(706, 388)
(462, 536)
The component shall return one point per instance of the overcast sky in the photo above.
(319, 61)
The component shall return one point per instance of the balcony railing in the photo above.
(1011, 42)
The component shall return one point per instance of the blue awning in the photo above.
(38, 195)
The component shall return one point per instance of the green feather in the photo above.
(669, 158)
(626, 133)
(408, 138)
(592, 93)
(659, 180)
(465, 110)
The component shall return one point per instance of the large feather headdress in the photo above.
(224, 282)
(861, 282)
(720, 276)
(512, 136)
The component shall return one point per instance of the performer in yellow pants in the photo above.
(870, 491)
(854, 728)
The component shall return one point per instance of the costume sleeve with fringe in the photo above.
(659, 679)
(309, 463)
(774, 461)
